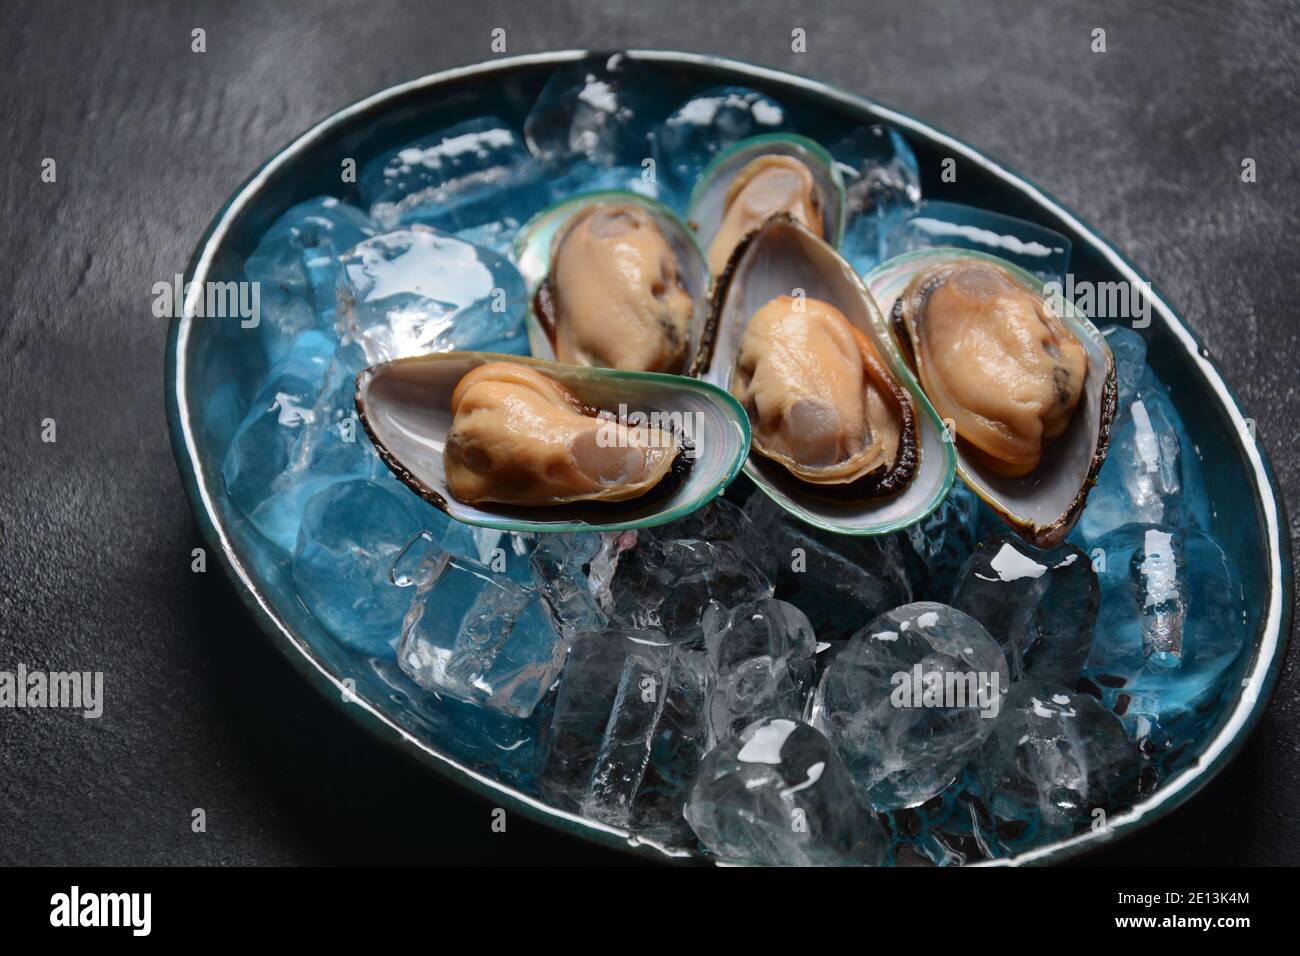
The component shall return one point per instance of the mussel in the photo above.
(523, 444)
(519, 437)
(843, 436)
(777, 173)
(616, 281)
(1027, 390)
(820, 401)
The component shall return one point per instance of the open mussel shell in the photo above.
(534, 248)
(1043, 505)
(708, 200)
(405, 406)
(776, 259)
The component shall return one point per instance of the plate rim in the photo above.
(1270, 641)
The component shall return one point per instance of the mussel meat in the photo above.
(821, 402)
(772, 183)
(994, 359)
(518, 437)
(615, 297)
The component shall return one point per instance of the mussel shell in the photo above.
(534, 246)
(708, 198)
(405, 406)
(1043, 505)
(775, 259)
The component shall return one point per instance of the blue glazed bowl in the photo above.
(208, 365)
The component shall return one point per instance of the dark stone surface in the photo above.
(1145, 140)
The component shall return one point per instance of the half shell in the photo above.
(535, 248)
(782, 258)
(709, 199)
(405, 406)
(1044, 504)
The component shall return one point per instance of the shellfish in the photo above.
(1027, 389)
(820, 401)
(843, 437)
(520, 437)
(776, 173)
(523, 444)
(616, 281)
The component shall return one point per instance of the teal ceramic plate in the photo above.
(202, 355)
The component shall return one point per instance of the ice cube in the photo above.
(591, 131)
(883, 187)
(839, 581)
(610, 680)
(779, 795)
(1152, 473)
(604, 564)
(1170, 627)
(486, 740)
(705, 125)
(478, 151)
(941, 543)
(505, 552)
(762, 659)
(596, 109)
(1035, 248)
(584, 176)
(627, 731)
(559, 565)
(334, 442)
(476, 635)
(722, 522)
(676, 749)
(1054, 761)
(296, 268)
(1130, 351)
(712, 554)
(416, 291)
(1039, 605)
(476, 180)
(667, 584)
(909, 700)
(352, 533)
(499, 235)
(417, 562)
(299, 436)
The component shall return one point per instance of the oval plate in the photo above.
(1248, 510)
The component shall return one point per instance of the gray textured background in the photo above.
(1145, 141)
